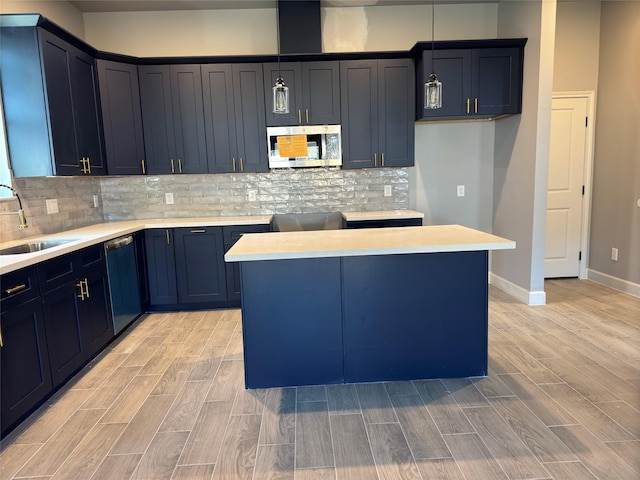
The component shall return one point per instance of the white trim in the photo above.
(588, 173)
(528, 297)
(615, 282)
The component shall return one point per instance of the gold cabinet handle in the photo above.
(81, 294)
(89, 163)
(307, 115)
(15, 289)
(475, 105)
(199, 231)
(299, 117)
(382, 154)
(84, 168)
(241, 165)
(144, 169)
(468, 105)
(375, 159)
(180, 165)
(86, 287)
(173, 166)
(233, 161)
(168, 236)
(1, 340)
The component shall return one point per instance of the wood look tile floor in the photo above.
(167, 401)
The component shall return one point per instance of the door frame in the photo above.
(587, 175)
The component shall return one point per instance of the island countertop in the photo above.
(360, 242)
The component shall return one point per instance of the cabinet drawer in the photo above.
(66, 268)
(19, 287)
(232, 234)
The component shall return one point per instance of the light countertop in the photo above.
(93, 234)
(358, 242)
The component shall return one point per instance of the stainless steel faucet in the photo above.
(20, 212)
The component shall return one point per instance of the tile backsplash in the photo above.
(75, 206)
(141, 197)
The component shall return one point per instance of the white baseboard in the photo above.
(614, 282)
(525, 296)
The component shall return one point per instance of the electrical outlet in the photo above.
(52, 205)
(252, 195)
(168, 198)
(387, 190)
(614, 254)
(460, 190)
(96, 203)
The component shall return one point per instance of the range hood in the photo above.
(300, 26)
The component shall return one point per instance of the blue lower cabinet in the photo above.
(25, 378)
(415, 316)
(291, 322)
(199, 258)
(364, 319)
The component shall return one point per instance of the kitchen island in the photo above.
(344, 306)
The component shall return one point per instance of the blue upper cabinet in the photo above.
(51, 105)
(377, 102)
(314, 93)
(121, 117)
(234, 111)
(480, 79)
(173, 119)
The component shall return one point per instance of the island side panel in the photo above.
(291, 322)
(415, 316)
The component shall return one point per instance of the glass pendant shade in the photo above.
(280, 96)
(433, 93)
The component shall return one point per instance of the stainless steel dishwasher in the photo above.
(123, 281)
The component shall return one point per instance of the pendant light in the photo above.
(433, 87)
(280, 90)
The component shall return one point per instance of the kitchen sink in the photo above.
(35, 246)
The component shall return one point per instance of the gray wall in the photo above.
(522, 153)
(615, 216)
(577, 45)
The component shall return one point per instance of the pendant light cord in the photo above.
(278, 33)
(433, 26)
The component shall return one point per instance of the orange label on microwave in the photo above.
(292, 146)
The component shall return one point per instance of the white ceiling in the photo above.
(164, 5)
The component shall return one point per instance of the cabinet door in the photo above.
(497, 80)
(26, 376)
(56, 64)
(200, 265)
(121, 117)
(161, 266)
(453, 68)
(157, 118)
(188, 119)
(84, 89)
(321, 93)
(396, 100)
(292, 75)
(96, 321)
(141, 268)
(61, 308)
(251, 129)
(219, 118)
(359, 105)
(231, 235)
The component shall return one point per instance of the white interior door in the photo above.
(565, 191)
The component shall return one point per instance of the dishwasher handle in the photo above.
(117, 243)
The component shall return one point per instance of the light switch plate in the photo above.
(252, 195)
(168, 198)
(52, 205)
(96, 203)
(387, 190)
(460, 190)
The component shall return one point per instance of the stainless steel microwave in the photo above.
(304, 146)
